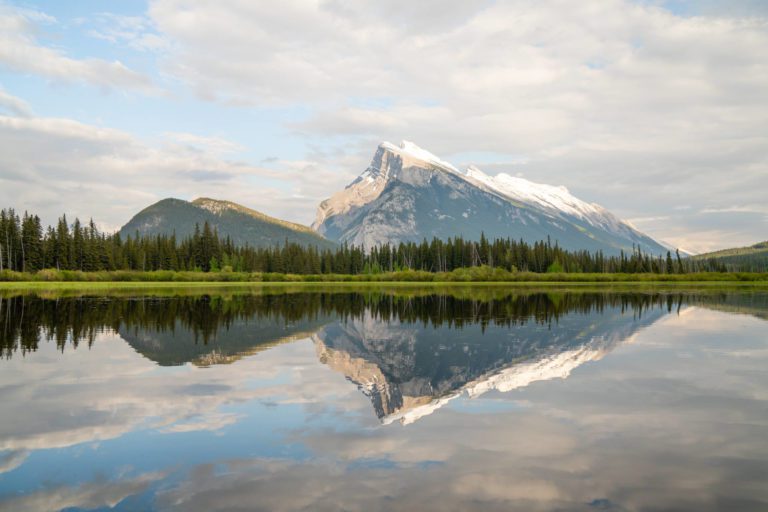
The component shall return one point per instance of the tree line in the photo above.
(25, 246)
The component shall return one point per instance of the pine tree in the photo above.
(32, 243)
(61, 244)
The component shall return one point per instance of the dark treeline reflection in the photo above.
(25, 321)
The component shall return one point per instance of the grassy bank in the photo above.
(466, 290)
(54, 278)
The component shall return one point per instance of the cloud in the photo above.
(640, 220)
(136, 32)
(13, 105)
(21, 51)
(211, 144)
(52, 166)
(738, 209)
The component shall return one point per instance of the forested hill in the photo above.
(243, 226)
(752, 259)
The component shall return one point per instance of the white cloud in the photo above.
(13, 105)
(215, 145)
(52, 166)
(755, 208)
(136, 32)
(21, 51)
(642, 220)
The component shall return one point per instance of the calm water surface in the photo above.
(473, 400)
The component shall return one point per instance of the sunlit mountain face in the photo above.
(408, 194)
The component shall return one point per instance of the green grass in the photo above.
(54, 279)
(101, 285)
(118, 288)
(469, 290)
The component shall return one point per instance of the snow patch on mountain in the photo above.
(558, 201)
(410, 149)
(546, 196)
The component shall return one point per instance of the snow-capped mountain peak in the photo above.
(403, 195)
(387, 163)
(409, 149)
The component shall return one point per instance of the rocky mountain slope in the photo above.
(408, 194)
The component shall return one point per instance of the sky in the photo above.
(656, 110)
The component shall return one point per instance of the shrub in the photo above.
(49, 274)
(555, 268)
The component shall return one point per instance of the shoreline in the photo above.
(138, 285)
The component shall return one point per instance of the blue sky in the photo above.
(108, 107)
(79, 31)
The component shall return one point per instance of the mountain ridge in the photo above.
(217, 205)
(736, 251)
(243, 225)
(408, 193)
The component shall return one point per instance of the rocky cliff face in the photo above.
(408, 194)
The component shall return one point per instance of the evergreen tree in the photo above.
(32, 243)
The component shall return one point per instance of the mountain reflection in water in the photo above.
(276, 400)
(409, 354)
(408, 371)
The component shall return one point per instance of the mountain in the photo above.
(407, 194)
(241, 224)
(745, 259)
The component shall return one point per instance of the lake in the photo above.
(474, 398)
